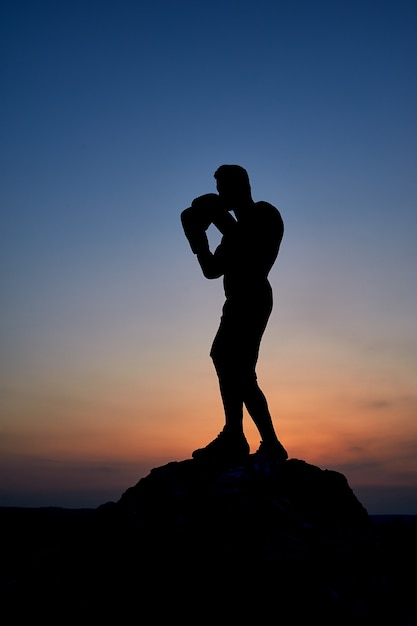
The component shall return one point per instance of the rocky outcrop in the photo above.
(255, 538)
(261, 511)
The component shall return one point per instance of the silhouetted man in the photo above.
(247, 251)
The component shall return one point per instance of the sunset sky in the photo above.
(115, 115)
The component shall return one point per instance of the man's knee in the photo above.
(234, 372)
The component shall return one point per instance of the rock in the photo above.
(262, 503)
(287, 534)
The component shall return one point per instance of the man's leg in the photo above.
(257, 407)
(231, 444)
(225, 355)
(232, 400)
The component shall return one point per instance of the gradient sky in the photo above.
(115, 115)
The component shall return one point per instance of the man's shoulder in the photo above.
(268, 210)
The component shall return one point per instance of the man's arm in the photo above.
(195, 220)
(265, 236)
(209, 263)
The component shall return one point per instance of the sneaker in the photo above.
(226, 447)
(275, 451)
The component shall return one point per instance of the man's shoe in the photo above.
(226, 447)
(274, 451)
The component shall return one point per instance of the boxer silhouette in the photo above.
(248, 248)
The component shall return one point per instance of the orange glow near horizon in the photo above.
(112, 443)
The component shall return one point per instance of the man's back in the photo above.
(248, 251)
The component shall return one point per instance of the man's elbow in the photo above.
(208, 270)
(210, 273)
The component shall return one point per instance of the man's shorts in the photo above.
(235, 348)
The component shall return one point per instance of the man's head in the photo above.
(233, 184)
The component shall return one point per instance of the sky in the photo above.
(114, 116)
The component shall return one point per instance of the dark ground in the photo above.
(175, 564)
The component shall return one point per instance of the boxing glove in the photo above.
(213, 212)
(204, 210)
(195, 229)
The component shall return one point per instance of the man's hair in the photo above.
(234, 174)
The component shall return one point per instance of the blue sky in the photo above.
(115, 115)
